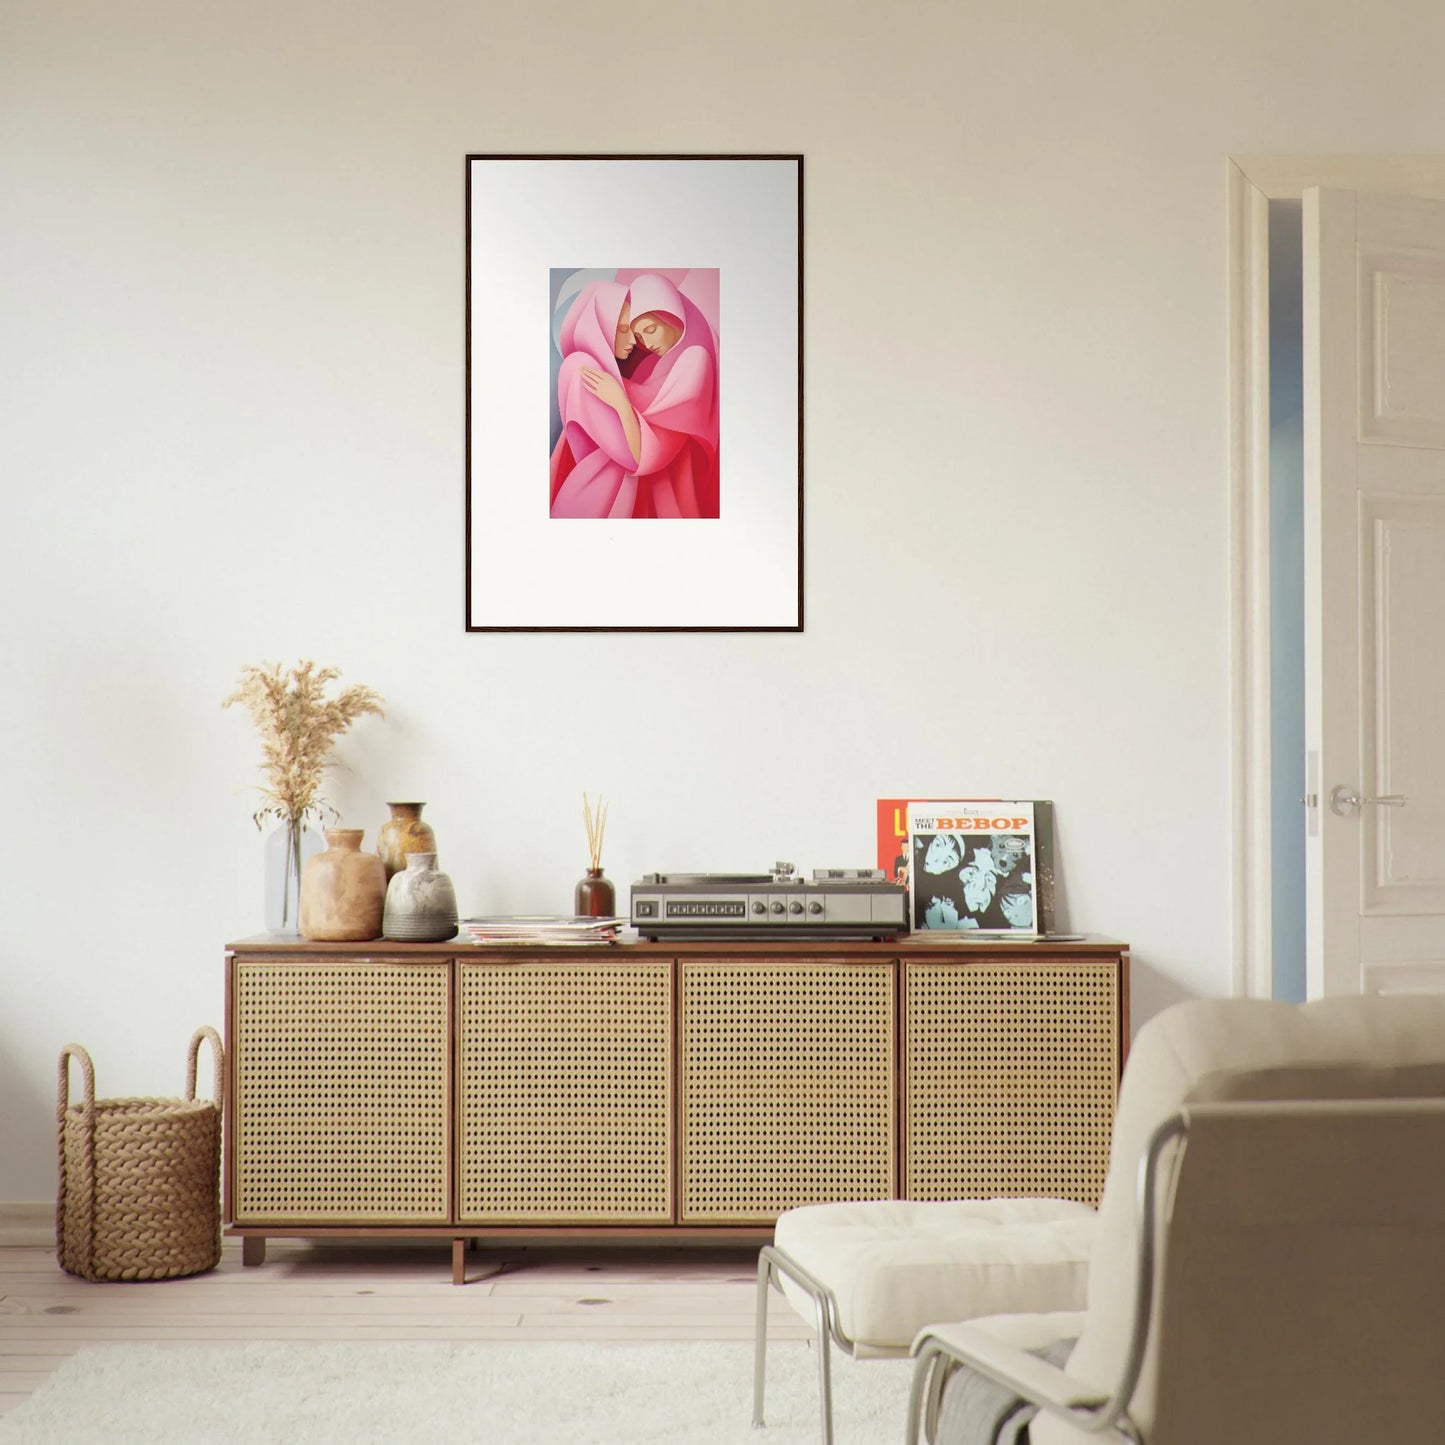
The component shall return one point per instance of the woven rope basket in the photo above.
(139, 1178)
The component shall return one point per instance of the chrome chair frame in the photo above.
(1083, 1405)
(773, 1262)
(938, 1358)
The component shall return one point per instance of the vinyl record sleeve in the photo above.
(896, 858)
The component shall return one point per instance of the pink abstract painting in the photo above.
(634, 393)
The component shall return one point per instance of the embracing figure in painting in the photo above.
(637, 394)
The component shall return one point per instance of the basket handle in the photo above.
(205, 1032)
(87, 1074)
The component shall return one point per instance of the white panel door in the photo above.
(1374, 284)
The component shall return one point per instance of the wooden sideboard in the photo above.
(647, 1090)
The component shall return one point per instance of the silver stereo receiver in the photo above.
(834, 903)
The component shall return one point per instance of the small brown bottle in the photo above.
(595, 896)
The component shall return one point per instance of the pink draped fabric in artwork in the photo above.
(593, 471)
(675, 397)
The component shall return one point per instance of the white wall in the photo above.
(231, 341)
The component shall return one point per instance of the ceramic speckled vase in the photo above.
(343, 890)
(421, 904)
(403, 833)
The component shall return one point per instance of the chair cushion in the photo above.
(896, 1265)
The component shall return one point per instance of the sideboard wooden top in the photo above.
(913, 946)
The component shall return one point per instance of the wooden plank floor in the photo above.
(398, 1291)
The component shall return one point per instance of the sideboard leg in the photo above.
(459, 1261)
(253, 1249)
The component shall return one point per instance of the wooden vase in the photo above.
(343, 890)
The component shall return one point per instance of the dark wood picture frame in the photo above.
(737, 569)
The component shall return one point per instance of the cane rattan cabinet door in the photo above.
(1010, 1077)
(565, 1091)
(787, 1071)
(341, 1077)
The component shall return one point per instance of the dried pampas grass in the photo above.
(298, 725)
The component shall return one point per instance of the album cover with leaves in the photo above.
(972, 864)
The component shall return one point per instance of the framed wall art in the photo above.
(634, 380)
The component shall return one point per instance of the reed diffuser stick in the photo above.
(596, 826)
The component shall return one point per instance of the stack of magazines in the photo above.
(532, 928)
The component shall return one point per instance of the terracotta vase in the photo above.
(421, 904)
(595, 897)
(403, 833)
(343, 890)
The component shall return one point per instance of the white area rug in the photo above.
(490, 1394)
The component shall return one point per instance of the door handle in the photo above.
(1345, 802)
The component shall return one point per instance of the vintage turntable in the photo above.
(834, 903)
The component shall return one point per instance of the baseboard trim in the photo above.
(27, 1223)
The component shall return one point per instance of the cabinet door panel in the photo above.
(565, 1082)
(1010, 1076)
(787, 1086)
(341, 1077)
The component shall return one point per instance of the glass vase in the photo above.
(287, 849)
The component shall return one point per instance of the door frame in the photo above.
(1252, 183)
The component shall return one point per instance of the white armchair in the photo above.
(1269, 1267)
